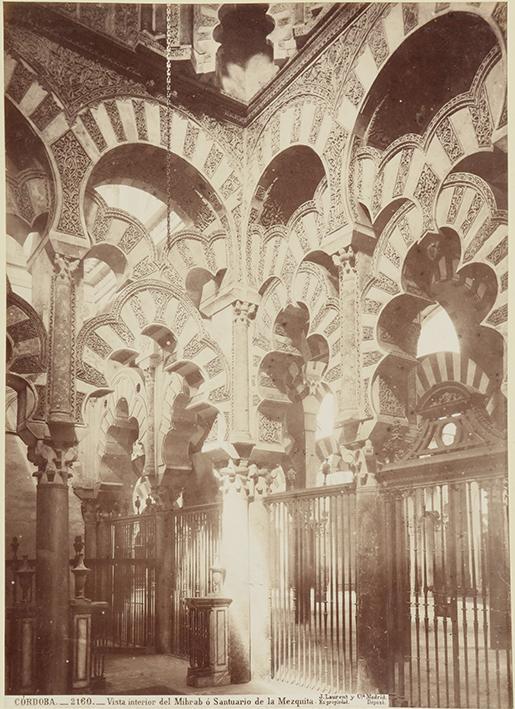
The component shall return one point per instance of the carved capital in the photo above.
(265, 481)
(90, 511)
(303, 381)
(53, 464)
(149, 364)
(366, 466)
(345, 260)
(234, 478)
(65, 267)
(243, 312)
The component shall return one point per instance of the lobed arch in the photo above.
(466, 204)
(140, 308)
(387, 289)
(292, 365)
(174, 388)
(197, 214)
(108, 224)
(183, 425)
(126, 386)
(311, 290)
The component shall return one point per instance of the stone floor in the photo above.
(165, 674)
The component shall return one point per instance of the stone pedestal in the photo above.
(209, 654)
(81, 610)
(21, 649)
(99, 633)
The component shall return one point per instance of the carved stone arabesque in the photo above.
(425, 192)
(60, 66)
(72, 162)
(270, 429)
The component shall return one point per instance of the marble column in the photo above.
(52, 566)
(371, 577)
(54, 457)
(164, 553)
(149, 370)
(259, 581)
(349, 333)
(234, 558)
(61, 374)
(311, 406)
(243, 313)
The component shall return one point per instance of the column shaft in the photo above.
(235, 559)
(164, 553)
(52, 586)
(150, 445)
(62, 333)
(54, 459)
(371, 581)
(240, 374)
(259, 589)
(311, 405)
(349, 333)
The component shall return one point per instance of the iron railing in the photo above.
(196, 547)
(313, 587)
(126, 580)
(448, 594)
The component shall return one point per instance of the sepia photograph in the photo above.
(256, 327)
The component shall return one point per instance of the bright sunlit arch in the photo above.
(437, 334)
(141, 204)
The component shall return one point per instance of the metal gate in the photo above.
(313, 599)
(196, 547)
(126, 579)
(448, 600)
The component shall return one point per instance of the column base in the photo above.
(205, 678)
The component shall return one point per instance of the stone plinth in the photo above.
(20, 645)
(209, 646)
(81, 611)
